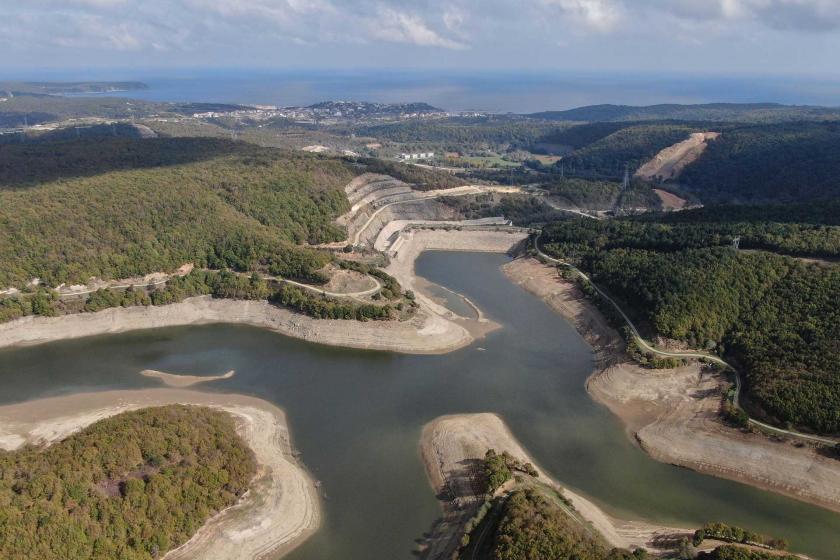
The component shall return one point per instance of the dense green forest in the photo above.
(600, 195)
(745, 112)
(459, 134)
(321, 307)
(774, 316)
(581, 135)
(26, 165)
(792, 162)
(220, 284)
(534, 527)
(132, 487)
(631, 146)
(732, 533)
(816, 235)
(247, 209)
(731, 552)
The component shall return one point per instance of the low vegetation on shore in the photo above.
(773, 315)
(522, 519)
(534, 523)
(731, 533)
(220, 284)
(132, 486)
(730, 552)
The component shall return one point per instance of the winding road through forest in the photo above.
(697, 355)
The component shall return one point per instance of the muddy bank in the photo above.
(279, 511)
(673, 414)
(425, 333)
(452, 448)
(412, 242)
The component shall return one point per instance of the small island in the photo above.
(135, 485)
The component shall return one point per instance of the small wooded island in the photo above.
(132, 486)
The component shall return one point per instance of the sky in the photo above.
(769, 37)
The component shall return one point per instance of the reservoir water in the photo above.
(356, 416)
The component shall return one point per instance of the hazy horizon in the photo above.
(496, 91)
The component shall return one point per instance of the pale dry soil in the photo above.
(670, 162)
(673, 414)
(412, 243)
(452, 448)
(279, 511)
(347, 281)
(182, 380)
(670, 201)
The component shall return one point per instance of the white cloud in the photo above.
(802, 15)
(401, 27)
(246, 26)
(600, 15)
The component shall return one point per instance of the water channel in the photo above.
(356, 416)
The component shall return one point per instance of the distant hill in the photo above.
(63, 88)
(36, 108)
(744, 112)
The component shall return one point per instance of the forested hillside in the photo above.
(793, 162)
(630, 146)
(120, 208)
(533, 527)
(132, 487)
(806, 230)
(775, 316)
(459, 134)
(600, 195)
(744, 112)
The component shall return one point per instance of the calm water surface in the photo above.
(356, 416)
(497, 91)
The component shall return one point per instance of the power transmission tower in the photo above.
(626, 183)
(736, 243)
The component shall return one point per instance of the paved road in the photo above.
(653, 350)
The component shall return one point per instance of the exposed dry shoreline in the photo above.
(181, 381)
(433, 330)
(279, 511)
(673, 414)
(453, 446)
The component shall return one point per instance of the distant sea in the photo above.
(502, 92)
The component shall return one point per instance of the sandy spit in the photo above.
(181, 381)
(673, 414)
(451, 446)
(280, 510)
